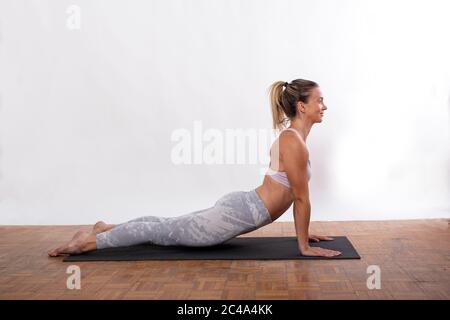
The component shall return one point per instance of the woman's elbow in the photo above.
(301, 200)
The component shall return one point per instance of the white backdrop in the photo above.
(93, 91)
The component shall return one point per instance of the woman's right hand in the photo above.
(319, 252)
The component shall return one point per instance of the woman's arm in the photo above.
(302, 213)
(295, 157)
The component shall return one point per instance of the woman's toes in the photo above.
(51, 253)
(55, 252)
(73, 246)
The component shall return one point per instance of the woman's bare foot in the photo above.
(79, 244)
(101, 226)
(82, 241)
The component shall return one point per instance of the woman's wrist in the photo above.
(304, 247)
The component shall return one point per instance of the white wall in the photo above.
(87, 115)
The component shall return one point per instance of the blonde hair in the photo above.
(283, 102)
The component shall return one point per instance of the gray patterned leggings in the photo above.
(235, 213)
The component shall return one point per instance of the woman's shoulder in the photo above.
(290, 134)
(290, 140)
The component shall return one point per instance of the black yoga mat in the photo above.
(238, 248)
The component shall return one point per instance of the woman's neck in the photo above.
(303, 126)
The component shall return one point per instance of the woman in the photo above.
(299, 102)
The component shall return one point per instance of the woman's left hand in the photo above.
(318, 238)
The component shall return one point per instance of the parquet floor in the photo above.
(413, 256)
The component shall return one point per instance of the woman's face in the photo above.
(315, 107)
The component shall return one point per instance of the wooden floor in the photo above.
(413, 256)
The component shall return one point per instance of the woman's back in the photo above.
(275, 191)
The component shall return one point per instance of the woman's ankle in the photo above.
(89, 244)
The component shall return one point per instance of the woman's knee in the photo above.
(191, 242)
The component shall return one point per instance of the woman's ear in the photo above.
(300, 106)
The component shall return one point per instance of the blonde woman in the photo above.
(299, 103)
